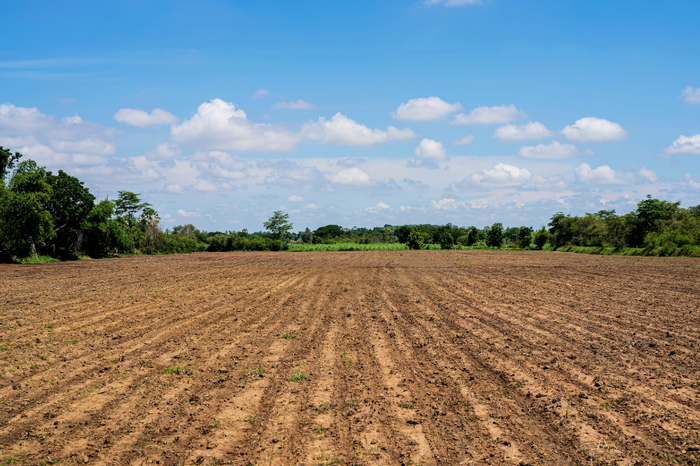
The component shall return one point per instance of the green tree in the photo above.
(25, 220)
(278, 224)
(128, 205)
(495, 235)
(402, 233)
(70, 203)
(445, 239)
(415, 239)
(524, 237)
(472, 236)
(329, 232)
(540, 238)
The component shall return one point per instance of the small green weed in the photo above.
(48, 326)
(7, 348)
(174, 370)
(288, 336)
(606, 406)
(255, 342)
(320, 430)
(299, 376)
(405, 405)
(70, 342)
(34, 366)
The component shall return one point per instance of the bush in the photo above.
(414, 240)
(446, 240)
(495, 236)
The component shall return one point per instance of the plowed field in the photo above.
(423, 357)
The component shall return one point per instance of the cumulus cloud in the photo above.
(648, 175)
(415, 183)
(502, 174)
(220, 165)
(691, 183)
(524, 132)
(555, 150)
(445, 204)
(691, 95)
(593, 129)
(260, 93)
(353, 176)
(295, 198)
(190, 214)
(489, 115)
(311, 206)
(425, 109)
(164, 151)
(60, 143)
(288, 174)
(219, 125)
(298, 105)
(465, 141)
(136, 117)
(429, 149)
(602, 175)
(342, 130)
(685, 145)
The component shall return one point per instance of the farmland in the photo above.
(376, 357)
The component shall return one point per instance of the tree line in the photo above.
(57, 216)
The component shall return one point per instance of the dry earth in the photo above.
(422, 357)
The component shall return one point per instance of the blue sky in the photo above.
(359, 113)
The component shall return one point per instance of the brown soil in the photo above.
(423, 357)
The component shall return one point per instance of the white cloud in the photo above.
(295, 198)
(593, 129)
(648, 174)
(691, 183)
(685, 145)
(311, 206)
(602, 175)
(189, 214)
(298, 105)
(429, 149)
(260, 93)
(164, 151)
(425, 109)
(353, 176)
(204, 186)
(453, 2)
(489, 115)
(55, 143)
(465, 141)
(445, 204)
(555, 150)
(136, 117)
(342, 130)
(219, 125)
(501, 175)
(93, 146)
(66, 100)
(691, 95)
(220, 165)
(524, 132)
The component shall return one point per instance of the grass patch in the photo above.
(70, 342)
(174, 370)
(298, 376)
(288, 336)
(37, 260)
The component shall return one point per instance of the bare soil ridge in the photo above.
(412, 357)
